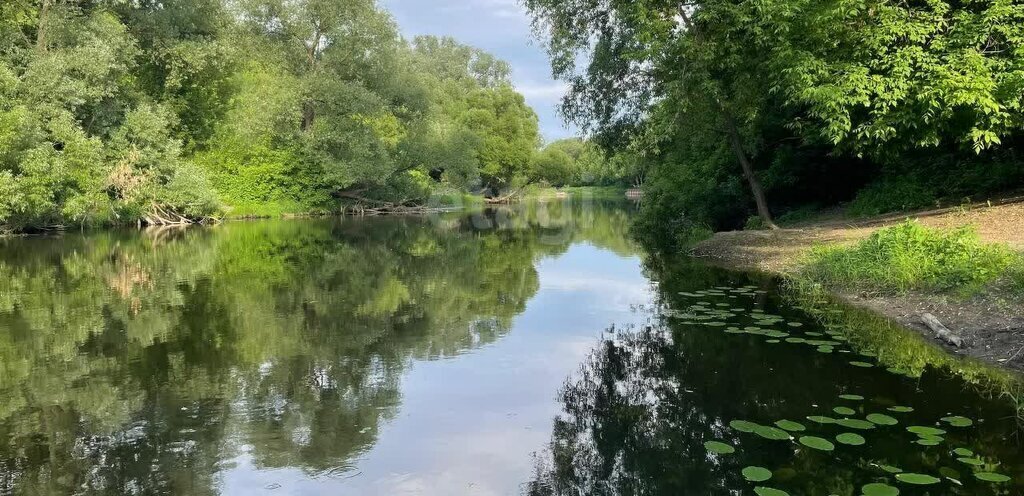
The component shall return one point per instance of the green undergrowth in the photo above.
(912, 257)
(900, 351)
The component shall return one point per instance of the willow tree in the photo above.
(642, 53)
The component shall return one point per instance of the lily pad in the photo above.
(769, 491)
(971, 461)
(757, 474)
(963, 452)
(881, 419)
(891, 469)
(991, 477)
(879, 489)
(817, 443)
(958, 421)
(719, 448)
(743, 425)
(842, 410)
(790, 426)
(901, 409)
(863, 365)
(821, 420)
(851, 439)
(918, 479)
(929, 441)
(856, 424)
(772, 433)
(925, 431)
(852, 397)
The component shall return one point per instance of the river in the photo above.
(529, 350)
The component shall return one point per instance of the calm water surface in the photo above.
(525, 351)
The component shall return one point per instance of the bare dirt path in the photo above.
(992, 325)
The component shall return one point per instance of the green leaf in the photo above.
(991, 477)
(743, 425)
(817, 443)
(756, 474)
(881, 419)
(790, 426)
(719, 447)
(768, 491)
(917, 479)
(879, 489)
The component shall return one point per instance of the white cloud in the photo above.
(549, 92)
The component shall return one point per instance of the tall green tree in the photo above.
(640, 53)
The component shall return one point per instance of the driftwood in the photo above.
(942, 332)
(162, 216)
(362, 210)
(501, 200)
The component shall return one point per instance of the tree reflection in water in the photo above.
(637, 414)
(148, 363)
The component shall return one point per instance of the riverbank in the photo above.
(991, 321)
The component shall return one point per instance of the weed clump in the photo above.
(910, 256)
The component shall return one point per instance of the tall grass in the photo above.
(910, 256)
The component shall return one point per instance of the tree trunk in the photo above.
(748, 171)
(44, 12)
(735, 142)
(312, 56)
(308, 114)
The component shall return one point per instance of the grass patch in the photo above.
(1015, 275)
(910, 256)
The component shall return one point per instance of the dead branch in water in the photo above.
(501, 200)
(162, 216)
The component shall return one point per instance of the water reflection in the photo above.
(178, 361)
(638, 412)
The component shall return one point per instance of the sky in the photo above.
(502, 28)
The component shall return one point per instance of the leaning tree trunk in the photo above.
(756, 190)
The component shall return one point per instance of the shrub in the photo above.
(1015, 275)
(693, 234)
(892, 195)
(910, 256)
(754, 223)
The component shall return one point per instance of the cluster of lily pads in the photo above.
(718, 315)
(789, 430)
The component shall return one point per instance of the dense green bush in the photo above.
(910, 256)
(892, 195)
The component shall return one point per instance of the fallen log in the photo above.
(941, 331)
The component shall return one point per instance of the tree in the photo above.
(509, 135)
(553, 166)
(153, 111)
(640, 52)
